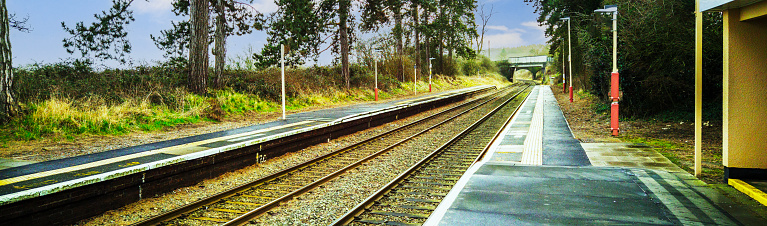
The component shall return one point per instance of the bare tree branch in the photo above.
(19, 24)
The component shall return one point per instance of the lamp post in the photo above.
(569, 56)
(614, 79)
(430, 73)
(375, 65)
(564, 82)
(282, 72)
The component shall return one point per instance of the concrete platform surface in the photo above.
(579, 184)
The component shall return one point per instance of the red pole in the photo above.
(564, 86)
(571, 93)
(376, 93)
(614, 97)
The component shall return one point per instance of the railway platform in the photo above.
(70, 189)
(536, 173)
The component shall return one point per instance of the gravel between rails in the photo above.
(323, 205)
(149, 207)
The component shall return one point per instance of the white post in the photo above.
(488, 49)
(430, 73)
(415, 80)
(282, 63)
(615, 41)
(375, 65)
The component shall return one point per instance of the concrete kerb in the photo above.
(65, 185)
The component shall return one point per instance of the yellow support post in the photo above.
(698, 87)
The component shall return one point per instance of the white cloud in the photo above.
(511, 39)
(153, 6)
(500, 28)
(533, 25)
(265, 6)
(518, 30)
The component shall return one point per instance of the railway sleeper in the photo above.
(453, 178)
(413, 207)
(438, 181)
(208, 219)
(417, 191)
(384, 222)
(415, 200)
(396, 214)
(442, 172)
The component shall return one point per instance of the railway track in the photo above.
(413, 195)
(239, 205)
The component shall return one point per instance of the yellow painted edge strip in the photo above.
(136, 155)
(749, 190)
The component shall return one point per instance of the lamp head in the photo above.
(564, 18)
(608, 9)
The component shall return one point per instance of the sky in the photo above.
(512, 24)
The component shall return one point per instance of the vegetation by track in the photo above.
(241, 204)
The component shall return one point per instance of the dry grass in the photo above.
(62, 120)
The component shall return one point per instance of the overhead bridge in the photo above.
(528, 62)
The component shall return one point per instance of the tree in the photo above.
(503, 54)
(343, 37)
(106, 39)
(220, 49)
(376, 13)
(198, 46)
(485, 18)
(9, 108)
(297, 24)
(231, 18)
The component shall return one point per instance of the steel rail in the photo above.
(176, 213)
(371, 200)
(271, 205)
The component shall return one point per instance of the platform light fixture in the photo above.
(569, 56)
(614, 78)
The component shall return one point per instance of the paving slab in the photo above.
(580, 183)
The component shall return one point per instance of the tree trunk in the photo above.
(220, 48)
(198, 46)
(451, 40)
(398, 38)
(416, 18)
(343, 15)
(441, 42)
(9, 108)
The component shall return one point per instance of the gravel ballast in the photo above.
(153, 206)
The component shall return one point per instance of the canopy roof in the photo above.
(719, 5)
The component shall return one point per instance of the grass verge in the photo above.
(60, 118)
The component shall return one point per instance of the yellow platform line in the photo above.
(137, 155)
(749, 190)
(532, 153)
